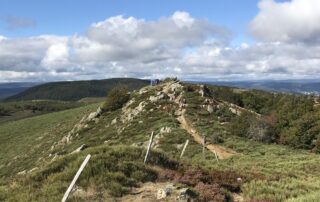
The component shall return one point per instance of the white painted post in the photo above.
(65, 197)
(215, 153)
(184, 148)
(149, 146)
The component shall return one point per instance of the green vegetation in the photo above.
(276, 158)
(116, 98)
(26, 143)
(10, 111)
(114, 169)
(76, 90)
(286, 119)
(272, 172)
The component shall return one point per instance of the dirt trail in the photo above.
(221, 151)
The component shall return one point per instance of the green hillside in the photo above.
(260, 147)
(75, 90)
(16, 110)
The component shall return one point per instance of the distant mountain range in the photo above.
(290, 86)
(75, 90)
(9, 89)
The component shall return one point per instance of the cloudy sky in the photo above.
(193, 40)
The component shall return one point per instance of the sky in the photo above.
(56, 40)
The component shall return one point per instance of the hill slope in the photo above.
(40, 154)
(75, 90)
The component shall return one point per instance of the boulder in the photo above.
(163, 193)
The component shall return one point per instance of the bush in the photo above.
(116, 98)
(210, 192)
(116, 189)
(254, 128)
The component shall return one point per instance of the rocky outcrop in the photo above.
(128, 114)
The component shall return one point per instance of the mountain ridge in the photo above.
(75, 90)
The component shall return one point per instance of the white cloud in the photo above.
(178, 45)
(294, 21)
(182, 19)
(2, 38)
(57, 55)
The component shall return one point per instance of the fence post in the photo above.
(84, 163)
(184, 148)
(149, 146)
(215, 153)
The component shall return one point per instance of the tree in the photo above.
(116, 98)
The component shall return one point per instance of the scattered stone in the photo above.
(140, 122)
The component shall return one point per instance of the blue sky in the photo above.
(212, 40)
(63, 17)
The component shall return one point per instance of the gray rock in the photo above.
(163, 193)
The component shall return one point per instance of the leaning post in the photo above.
(184, 148)
(86, 160)
(149, 146)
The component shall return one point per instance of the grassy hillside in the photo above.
(75, 90)
(39, 161)
(25, 142)
(16, 110)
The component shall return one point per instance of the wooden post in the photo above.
(149, 146)
(184, 148)
(76, 178)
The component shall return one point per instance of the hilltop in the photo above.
(258, 147)
(75, 90)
